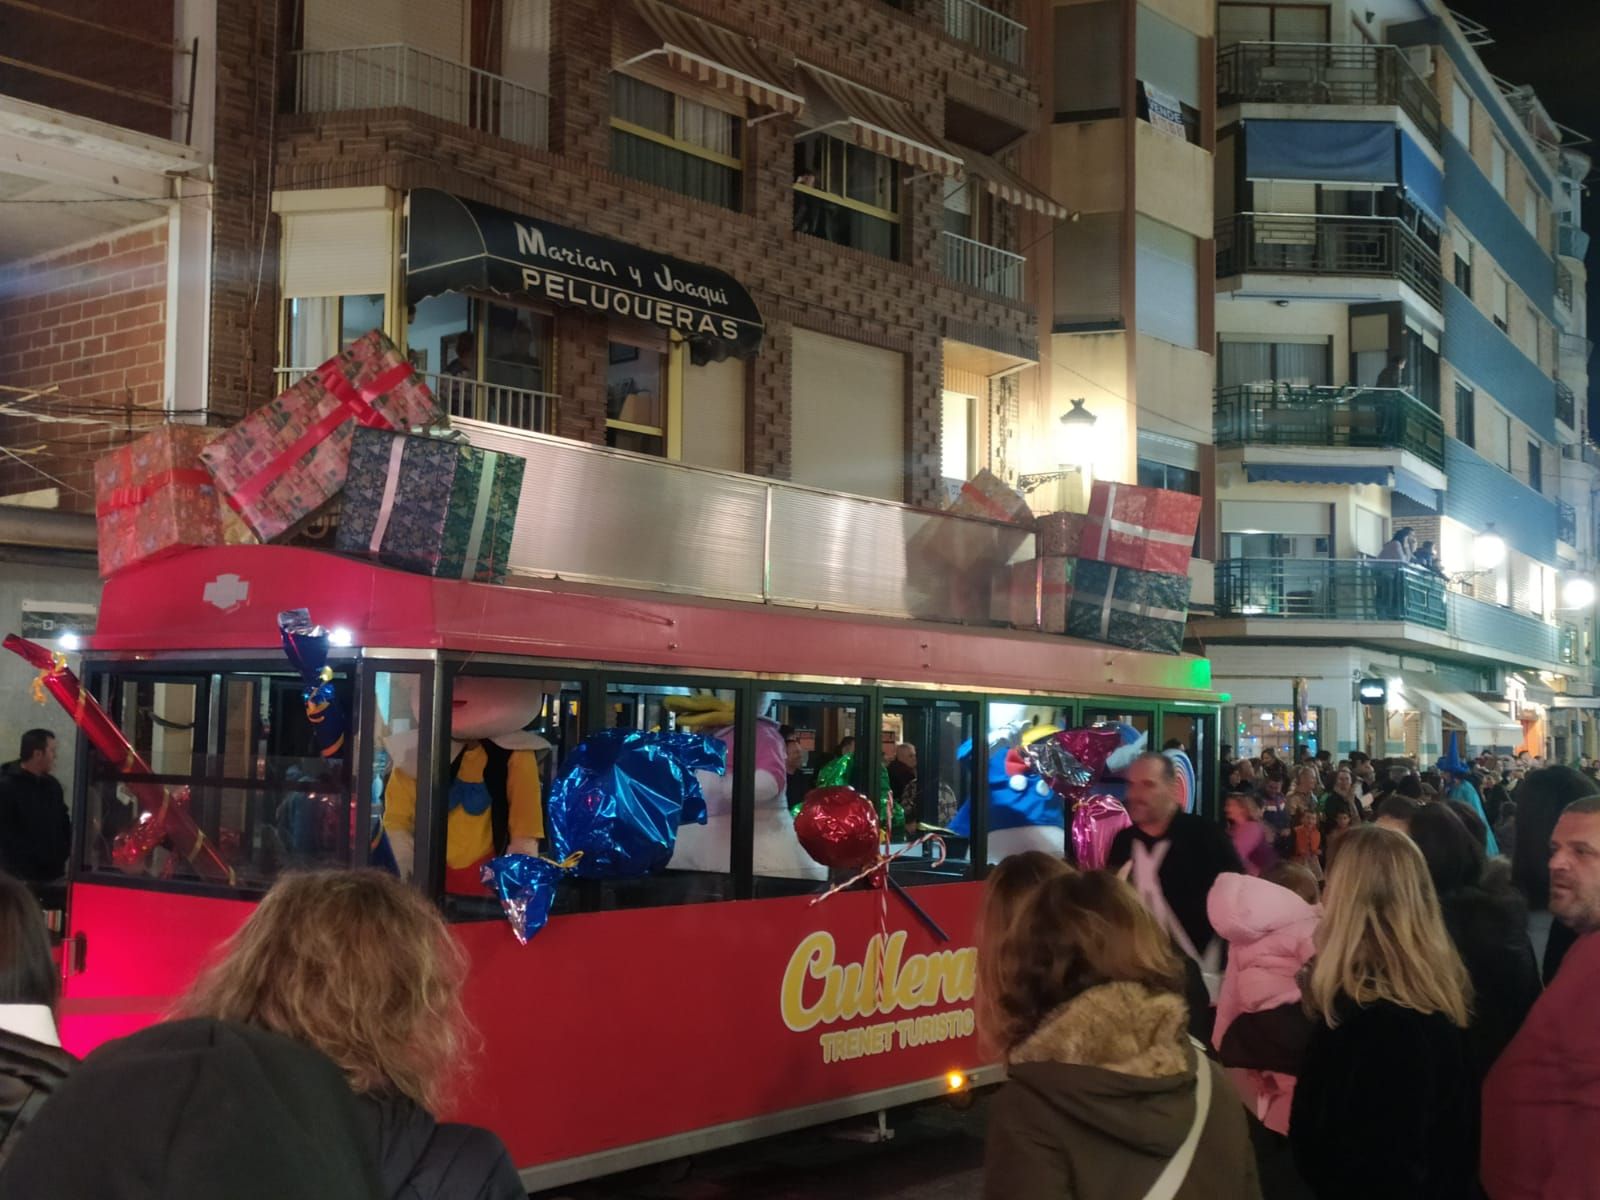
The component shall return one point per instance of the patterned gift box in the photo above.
(1143, 610)
(154, 498)
(1059, 534)
(430, 505)
(1056, 582)
(289, 458)
(1151, 529)
(987, 495)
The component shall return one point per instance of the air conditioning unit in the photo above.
(1421, 60)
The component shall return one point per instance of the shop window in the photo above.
(488, 361)
(927, 752)
(846, 195)
(637, 381)
(674, 142)
(1466, 415)
(315, 328)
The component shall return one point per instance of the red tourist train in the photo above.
(652, 1018)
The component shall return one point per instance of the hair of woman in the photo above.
(1541, 796)
(1455, 859)
(356, 964)
(28, 975)
(1382, 937)
(1074, 931)
(1010, 885)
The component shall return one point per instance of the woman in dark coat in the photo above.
(1540, 797)
(32, 1062)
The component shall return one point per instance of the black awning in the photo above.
(456, 245)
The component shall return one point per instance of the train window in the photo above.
(928, 750)
(817, 730)
(236, 750)
(1024, 814)
(1140, 719)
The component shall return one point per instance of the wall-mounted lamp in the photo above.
(1076, 422)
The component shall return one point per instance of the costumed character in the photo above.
(1024, 811)
(706, 847)
(495, 798)
(1133, 744)
(1459, 774)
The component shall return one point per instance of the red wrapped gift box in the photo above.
(1059, 534)
(289, 458)
(1148, 529)
(153, 497)
(987, 495)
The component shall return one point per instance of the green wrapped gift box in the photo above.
(1142, 610)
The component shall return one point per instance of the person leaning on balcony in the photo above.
(1399, 546)
(1393, 375)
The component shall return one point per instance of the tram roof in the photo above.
(226, 599)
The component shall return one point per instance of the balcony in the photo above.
(1573, 360)
(1314, 244)
(1566, 523)
(980, 265)
(400, 76)
(473, 399)
(1519, 636)
(1564, 286)
(1293, 73)
(1566, 406)
(1571, 241)
(1361, 418)
(992, 33)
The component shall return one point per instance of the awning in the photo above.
(1564, 701)
(711, 54)
(1001, 181)
(1320, 151)
(1421, 180)
(456, 245)
(1485, 725)
(1412, 488)
(874, 122)
(1284, 473)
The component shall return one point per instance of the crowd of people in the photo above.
(1338, 996)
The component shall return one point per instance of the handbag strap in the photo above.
(1177, 1169)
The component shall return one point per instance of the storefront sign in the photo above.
(49, 620)
(459, 245)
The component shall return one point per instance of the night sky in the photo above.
(1555, 46)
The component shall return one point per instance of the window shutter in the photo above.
(848, 416)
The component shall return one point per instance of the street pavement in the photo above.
(936, 1153)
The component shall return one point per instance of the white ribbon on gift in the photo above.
(1110, 525)
(1109, 604)
(480, 513)
(391, 485)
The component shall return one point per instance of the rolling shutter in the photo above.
(848, 416)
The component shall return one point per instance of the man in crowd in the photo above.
(903, 773)
(1541, 1101)
(35, 827)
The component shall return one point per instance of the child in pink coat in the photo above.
(1269, 924)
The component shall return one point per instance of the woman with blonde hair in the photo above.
(1108, 1099)
(1386, 1103)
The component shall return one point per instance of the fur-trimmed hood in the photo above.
(1118, 1059)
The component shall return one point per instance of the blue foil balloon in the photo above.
(306, 645)
(527, 888)
(621, 796)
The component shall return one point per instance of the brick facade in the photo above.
(89, 322)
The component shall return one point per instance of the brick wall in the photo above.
(91, 323)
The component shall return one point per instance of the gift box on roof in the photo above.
(1142, 610)
(987, 495)
(1055, 591)
(430, 505)
(1150, 529)
(154, 497)
(289, 458)
(1059, 534)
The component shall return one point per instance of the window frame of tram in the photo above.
(1205, 754)
(231, 810)
(1066, 712)
(933, 709)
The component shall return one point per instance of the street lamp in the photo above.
(1076, 423)
(1488, 549)
(1577, 592)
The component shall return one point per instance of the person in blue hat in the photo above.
(1458, 776)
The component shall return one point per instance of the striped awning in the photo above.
(1005, 184)
(875, 122)
(717, 56)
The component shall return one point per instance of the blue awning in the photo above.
(1321, 151)
(1284, 473)
(1423, 182)
(1409, 486)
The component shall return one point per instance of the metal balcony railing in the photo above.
(1566, 406)
(494, 403)
(1326, 589)
(1564, 285)
(1573, 358)
(401, 76)
(1313, 244)
(1566, 523)
(992, 32)
(1571, 241)
(980, 265)
(1281, 415)
(1514, 635)
(1309, 73)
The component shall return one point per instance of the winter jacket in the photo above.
(1386, 1107)
(30, 1071)
(1541, 1102)
(1101, 1096)
(1490, 932)
(35, 827)
(420, 1158)
(1269, 932)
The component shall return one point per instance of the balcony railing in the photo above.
(401, 76)
(1566, 406)
(1564, 285)
(1571, 241)
(1574, 357)
(1294, 73)
(1381, 418)
(1515, 635)
(1566, 523)
(980, 265)
(1313, 244)
(992, 32)
(495, 403)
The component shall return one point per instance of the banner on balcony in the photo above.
(456, 245)
(1166, 114)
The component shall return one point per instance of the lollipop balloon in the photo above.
(838, 827)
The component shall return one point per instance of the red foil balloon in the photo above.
(838, 827)
(1096, 821)
(1091, 746)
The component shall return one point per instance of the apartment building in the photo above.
(1399, 322)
